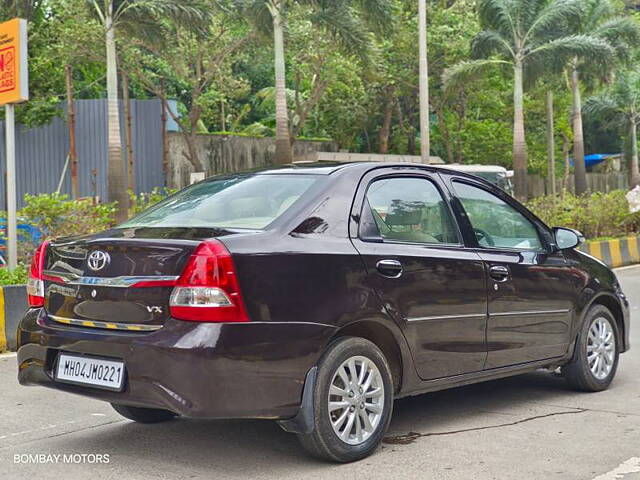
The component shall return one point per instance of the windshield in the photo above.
(242, 201)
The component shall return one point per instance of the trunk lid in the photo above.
(121, 279)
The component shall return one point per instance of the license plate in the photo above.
(96, 372)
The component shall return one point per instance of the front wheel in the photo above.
(595, 359)
(353, 400)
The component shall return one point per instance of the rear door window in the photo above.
(411, 209)
(243, 201)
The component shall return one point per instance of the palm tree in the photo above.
(424, 83)
(283, 141)
(524, 35)
(551, 156)
(619, 105)
(348, 21)
(600, 19)
(112, 14)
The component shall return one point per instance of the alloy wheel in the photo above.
(601, 348)
(356, 400)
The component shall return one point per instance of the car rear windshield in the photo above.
(243, 201)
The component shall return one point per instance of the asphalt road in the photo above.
(527, 427)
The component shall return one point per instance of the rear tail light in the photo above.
(208, 289)
(35, 284)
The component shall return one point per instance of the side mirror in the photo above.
(567, 238)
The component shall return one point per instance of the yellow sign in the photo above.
(14, 74)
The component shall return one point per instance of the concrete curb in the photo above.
(13, 304)
(615, 253)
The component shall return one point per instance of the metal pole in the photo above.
(63, 174)
(424, 83)
(12, 234)
(165, 138)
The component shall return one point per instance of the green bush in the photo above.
(143, 201)
(597, 215)
(18, 276)
(57, 215)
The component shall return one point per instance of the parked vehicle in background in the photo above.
(315, 295)
(27, 233)
(495, 174)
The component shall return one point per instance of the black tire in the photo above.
(577, 372)
(324, 443)
(143, 415)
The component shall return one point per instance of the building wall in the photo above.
(538, 186)
(41, 152)
(224, 154)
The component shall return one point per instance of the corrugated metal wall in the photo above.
(41, 152)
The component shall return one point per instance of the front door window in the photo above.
(496, 223)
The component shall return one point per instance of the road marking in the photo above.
(595, 249)
(628, 267)
(632, 244)
(616, 252)
(3, 333)
(35, 430)
(8, 355)
(50, 426)
(630, 466)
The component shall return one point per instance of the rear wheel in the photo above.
(353, 400)
(595, 360)
(143, 415)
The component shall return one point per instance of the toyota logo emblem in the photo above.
(98, 260)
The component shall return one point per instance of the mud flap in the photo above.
(303, 422)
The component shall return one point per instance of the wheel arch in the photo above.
(609, 301)
(392, 344)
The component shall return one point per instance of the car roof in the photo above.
(477, 168)
(330, 167)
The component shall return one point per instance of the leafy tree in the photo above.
(425, 111)
(602, 20)
(457, 135)
(188, 63)
(523, 35)
(58, 34)
(619, 105)
(113, 15)
(349, 22)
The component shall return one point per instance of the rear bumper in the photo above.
(224, 370)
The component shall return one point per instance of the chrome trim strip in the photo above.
(530, 312)
(66, 276)
(131, 327)
(446, 317)
(483, 315)
(118, 282)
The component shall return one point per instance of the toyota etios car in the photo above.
(315, 296)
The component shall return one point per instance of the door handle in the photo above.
(499, 273)
(389, 268)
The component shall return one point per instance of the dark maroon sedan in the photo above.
(315, 295)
